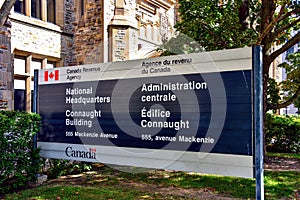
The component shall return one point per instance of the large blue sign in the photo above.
(195, 108)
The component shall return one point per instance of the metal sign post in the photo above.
(35, 100)
(258, 121)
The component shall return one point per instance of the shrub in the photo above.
(58, 167)
(282, 134)
(19, 160)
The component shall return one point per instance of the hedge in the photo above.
(19, 160)
(282, 134)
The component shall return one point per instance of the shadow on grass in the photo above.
(106, 183)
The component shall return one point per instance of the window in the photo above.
(51, 11)
(50, 65)
(40, 9)
(24, 80)
(290, 51)
(35, 64)
(19, 65)
(20, 78)
(19, 95)
(36, 9)
(81, 7)
(19, 6)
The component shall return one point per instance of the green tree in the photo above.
(181, 44)
(226, 24)
(291, 85)
(297, 104)
(240, 23)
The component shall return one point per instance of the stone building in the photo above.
(42, 34)
(291, 109)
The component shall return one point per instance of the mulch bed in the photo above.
(282, 164)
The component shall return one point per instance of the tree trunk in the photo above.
(5, 9)
(267, 11)
(265, 106)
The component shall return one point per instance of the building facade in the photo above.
(279, 74)
(42, 34)
(291, 109)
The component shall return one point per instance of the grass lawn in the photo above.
(108, 183)
(285, 155)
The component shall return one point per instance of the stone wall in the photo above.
(6, 70)
(69, 16)
(88, 38)
(119, 44)
(67, 51)
(67, 37)
(35, 39)
(42, 38)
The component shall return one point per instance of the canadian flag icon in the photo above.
(52, 75)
